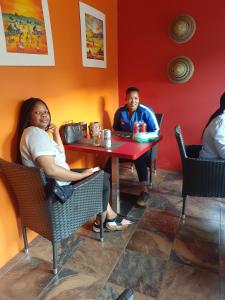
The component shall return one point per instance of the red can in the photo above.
(143, 127)
(135, 128)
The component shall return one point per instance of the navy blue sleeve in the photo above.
(116, 121)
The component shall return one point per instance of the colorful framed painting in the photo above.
(25, 33)
(93, 36)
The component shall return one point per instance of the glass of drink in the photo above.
(97, 139)
(96, 132)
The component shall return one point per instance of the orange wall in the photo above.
(70, 90)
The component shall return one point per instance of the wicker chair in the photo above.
(44, 215)
(201, 178)
(154, 151)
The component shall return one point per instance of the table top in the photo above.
(127, 148)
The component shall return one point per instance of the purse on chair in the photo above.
(70, 133)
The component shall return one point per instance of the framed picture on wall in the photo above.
(93, 36)
(25, 33)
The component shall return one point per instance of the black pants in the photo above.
(106, 187)
(141, 165)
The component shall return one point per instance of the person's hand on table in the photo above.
(122, 134)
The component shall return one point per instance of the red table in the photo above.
(129, 150)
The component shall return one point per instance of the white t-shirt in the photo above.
(214, 139)
(36, 142)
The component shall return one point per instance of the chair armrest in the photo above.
(207, 162)
(205, 166)
(88, 179)
(204, 177)
(86, 201)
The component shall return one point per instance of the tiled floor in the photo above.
(159, 256)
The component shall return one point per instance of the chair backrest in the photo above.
(180, 142)
(159, 117)
(193, 150)
(27, 186)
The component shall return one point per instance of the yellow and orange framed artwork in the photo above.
(25, 33)
(93, 36)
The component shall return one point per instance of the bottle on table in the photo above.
(143, 127)
(83, 128)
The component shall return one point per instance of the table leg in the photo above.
(115, 185)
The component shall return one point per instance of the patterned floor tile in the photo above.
(187, 283)
(150, 243)
(204, 208)
(222, 234)
(222, 287)
(193, 251)
(136, 213)
(200, 229)
(80, 287)
(166, 202)
(94, 259)
(160, 221)
(141, 272)
(222, 205)
(26, 280)
(222, 260)
(112, 291)
(171, 184)
(42, 248)
(109, 293)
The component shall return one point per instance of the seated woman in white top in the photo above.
(214, 134)
(37, 148)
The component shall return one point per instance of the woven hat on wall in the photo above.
(180, 69)
(182, 29)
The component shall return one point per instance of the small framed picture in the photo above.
(93, 36)
(25, 33)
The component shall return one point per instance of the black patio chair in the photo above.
(41, 213)
(201, 177)
(154, 151)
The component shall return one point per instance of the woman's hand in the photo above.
(53, 128)
(56, 136)
(91, 171)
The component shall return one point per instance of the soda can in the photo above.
(107, 133)
(136, 127)
(143, 127)
(107, 138)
